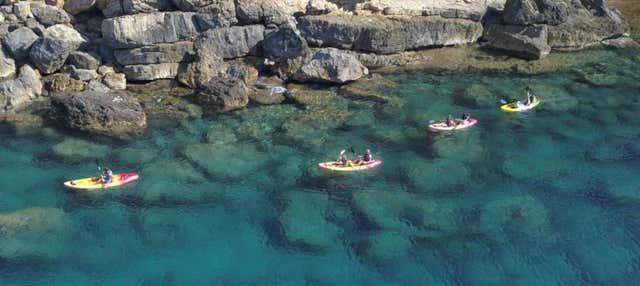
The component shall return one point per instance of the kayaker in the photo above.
(368, 157)
(465, 117)
(342, 159)
(106, 176)
(530, 97)
(450, 122)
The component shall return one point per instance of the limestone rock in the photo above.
(222, 13)
(50, 52)
(147, 29)
(115, 81)
(22, 10)
(63, 82)
(83, 74)
(19, 41)
(529, 42)
(223, 94)
(131, 7)
(151, 71)
(83, 60)
(97, 86)
(387, 35)
(571, 24)
(7, 65)
(231, 42)
(18, 93)
(201, 71)
(319, 7)
(75, 7)
(50, 15)
(331, 65)
(285, 43)
(156, 54)
(194, 5)
(260, 12)
(112, 114)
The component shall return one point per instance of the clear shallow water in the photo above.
(544, 198)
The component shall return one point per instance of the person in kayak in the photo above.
(465, 117)
(106, 176)
(367, 157)
(342, 159)
(530, 97)
(450, 122)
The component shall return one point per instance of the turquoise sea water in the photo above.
(550, 197)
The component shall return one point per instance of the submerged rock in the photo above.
(331, 65)
(521, 215)
(235, 161)
(24, 231)
(303, 221)
(112, 114)
(78, 150)
(387, 246)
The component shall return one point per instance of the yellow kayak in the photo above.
(94, 183)
(350, 166)
(519, 107)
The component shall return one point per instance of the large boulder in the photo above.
(18, 93)
(331, 65)
(529, 42)
(148, 72)
(223, 94)
(147, 29)
(283, 44)
(50, 52)
(571, 24)
(387, 35)
(50, 15)
(260, 12)
(201, 71)
(231, 42)
(19, 41)
(112, 114)
(156, 54)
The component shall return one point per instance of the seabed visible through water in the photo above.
(548, 197)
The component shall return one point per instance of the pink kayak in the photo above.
(460, 124)
(350, 166)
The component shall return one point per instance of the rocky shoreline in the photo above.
(86, 59)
